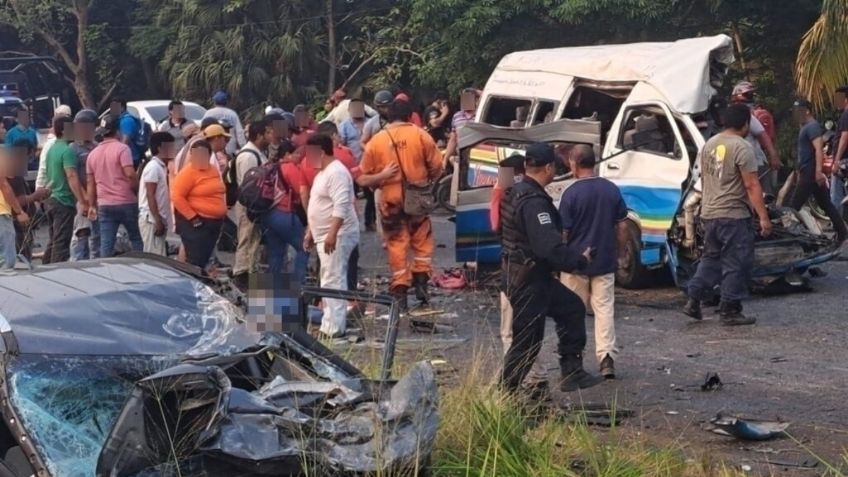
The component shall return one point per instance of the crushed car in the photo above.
(134, 367)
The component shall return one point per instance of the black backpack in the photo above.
(258, 190)
(231, 179)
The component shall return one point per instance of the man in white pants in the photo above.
(594, 215)
(333, 227)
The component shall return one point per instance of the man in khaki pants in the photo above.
(594, 215)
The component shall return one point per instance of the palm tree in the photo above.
(822, 63)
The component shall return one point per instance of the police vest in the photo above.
(515, 246)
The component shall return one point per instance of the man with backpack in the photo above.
(135, 133)
(250, 156)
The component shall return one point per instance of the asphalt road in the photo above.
(791, 366)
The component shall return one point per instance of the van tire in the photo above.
(634, 275)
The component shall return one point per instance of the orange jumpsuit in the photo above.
(420, 160)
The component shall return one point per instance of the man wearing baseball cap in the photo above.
(532, 250)
(224, 114)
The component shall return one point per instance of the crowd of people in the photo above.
(101, 174)
(292, 182)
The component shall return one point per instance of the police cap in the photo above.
(539, 154)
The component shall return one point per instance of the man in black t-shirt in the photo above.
(808, 170)
(837, 182)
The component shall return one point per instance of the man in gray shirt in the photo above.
(730, 188)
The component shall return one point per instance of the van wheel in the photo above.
(634, 274)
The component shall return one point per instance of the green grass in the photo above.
(485, 433)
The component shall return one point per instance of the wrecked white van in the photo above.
(651, 103)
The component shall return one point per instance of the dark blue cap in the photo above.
(539, 154)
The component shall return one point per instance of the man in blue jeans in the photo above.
(730, 188)
(112, 184)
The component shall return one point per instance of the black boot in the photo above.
(692, 309)
(574, 377)
(730, 314)
(399, 294)
(420, 282)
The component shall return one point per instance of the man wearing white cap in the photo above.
(41, 179)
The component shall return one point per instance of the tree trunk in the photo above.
(331, 45)
(81, 71)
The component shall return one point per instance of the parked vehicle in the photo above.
(660, 93)
(155, 111)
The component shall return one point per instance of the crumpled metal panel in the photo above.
(261, 433)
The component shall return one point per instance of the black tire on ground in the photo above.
(442, 192)
(634, 274)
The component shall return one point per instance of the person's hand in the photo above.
(41, 194)
(821, 179)
(775, 164)
(330, 243)
(158, 227)
(22, 218)
(765, 227)
(308, 242)
(588, 254)
(389, 171)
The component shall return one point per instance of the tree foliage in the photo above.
(822, 64)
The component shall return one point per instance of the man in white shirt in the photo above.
(333, 227)
(154, 201)
(226, 115)
(247, 250)
(41, 177)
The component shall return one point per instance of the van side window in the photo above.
(544, 112)
(506, 112)
(646, 130)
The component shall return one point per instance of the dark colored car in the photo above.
(133, 367)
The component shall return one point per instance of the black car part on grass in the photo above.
(127, 367)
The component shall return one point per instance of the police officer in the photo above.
(533, 250)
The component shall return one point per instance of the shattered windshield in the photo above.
(69, 404)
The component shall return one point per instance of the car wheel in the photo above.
(633, 274)
(443, 193)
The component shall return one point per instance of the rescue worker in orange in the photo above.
(403, 151)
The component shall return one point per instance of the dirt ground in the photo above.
(791, 366)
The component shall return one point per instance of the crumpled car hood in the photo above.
(125, 367)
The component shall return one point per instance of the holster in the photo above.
(515, 273)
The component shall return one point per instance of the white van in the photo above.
(662, 91)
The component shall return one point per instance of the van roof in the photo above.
(684, 71)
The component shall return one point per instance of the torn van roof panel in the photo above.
(680, 70)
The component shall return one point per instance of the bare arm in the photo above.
(76, 187)
(842, 148)
(621, 236)
(771, 151)
(9, 195)
(132, 177)
(151, 201)
(304, 196)
(818, 145)
(91, 191)
(755, 196)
